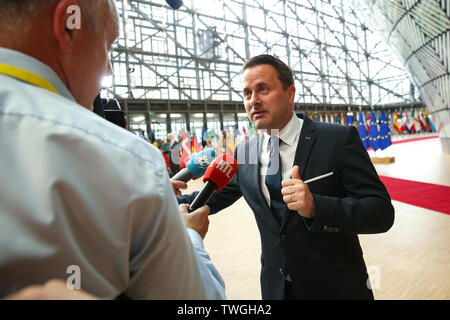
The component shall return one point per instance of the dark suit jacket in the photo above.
(322, 255)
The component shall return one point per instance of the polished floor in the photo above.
(410, 261)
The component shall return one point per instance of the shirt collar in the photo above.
(289, 132)
(28, 63)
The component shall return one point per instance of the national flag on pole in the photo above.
(215, 141)
(251, 130)
(204, 137)
(362, 130)
(390, 120)
(428, 120)
(423, 122)
(229, 143)
(185, 147)
(245, 134)
(396, 121)
(373, 133)
(212, 134)
(195, 145)
(385, 133)
(405, 123)
(401, 122)
(423, 127)
(349, 118)
(418, 125)
(412, 126)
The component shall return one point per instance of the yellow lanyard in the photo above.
(26, 76)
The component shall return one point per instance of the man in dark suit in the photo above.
(310, 247)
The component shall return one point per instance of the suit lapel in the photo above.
(305, 144)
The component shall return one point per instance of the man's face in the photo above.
(267, 104)
(91, 60)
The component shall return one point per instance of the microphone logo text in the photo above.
(225, 168)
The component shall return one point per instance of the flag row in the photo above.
(374, 127)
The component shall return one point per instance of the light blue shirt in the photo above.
(79, 191)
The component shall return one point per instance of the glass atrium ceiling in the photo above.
(419, 33)
(196, 53)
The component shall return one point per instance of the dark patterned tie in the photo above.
(273, 180)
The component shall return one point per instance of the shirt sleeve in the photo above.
(167, 260)
(366, 207)
(211, 277)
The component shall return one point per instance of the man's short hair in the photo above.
(18, 12)
(284, 72)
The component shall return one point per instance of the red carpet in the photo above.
(426, 195)
(414, 139)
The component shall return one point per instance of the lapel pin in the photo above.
(307, 138)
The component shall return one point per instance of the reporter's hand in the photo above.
(51, 290)
(196, 220)
(177, 185)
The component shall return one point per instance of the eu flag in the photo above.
(385, 133)
(362, 130)
(349, 118)
(204, 137)
(373, 133)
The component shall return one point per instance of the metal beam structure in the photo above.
(193, 56)
(418, 31)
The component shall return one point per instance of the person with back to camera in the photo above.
(58, 156)
(310, 247)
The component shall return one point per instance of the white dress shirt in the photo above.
(289, 136)
(79, 191)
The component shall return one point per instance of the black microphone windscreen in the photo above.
(175, 4)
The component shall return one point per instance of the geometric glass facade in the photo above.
(419, 34)
(196, 52)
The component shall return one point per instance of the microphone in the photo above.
(217, 176)
(196, 165)
(175, 4)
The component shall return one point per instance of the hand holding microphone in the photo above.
(217, 176)
(196, 165)
(197, 220)
(177, 186)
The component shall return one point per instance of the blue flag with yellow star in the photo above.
(373, 133)
(385, 133)
(362, 130)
